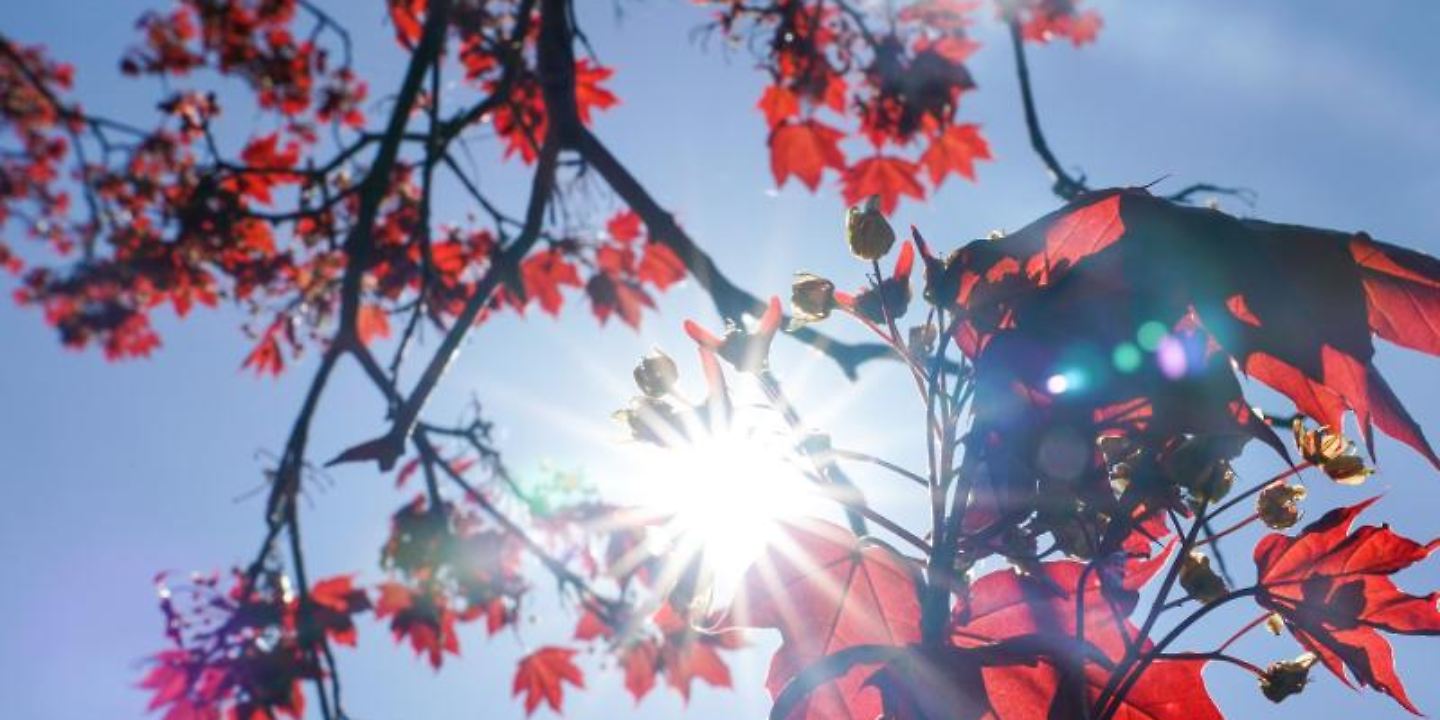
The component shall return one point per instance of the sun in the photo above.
(725, 495)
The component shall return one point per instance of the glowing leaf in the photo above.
(542, 675)
(1332, 586)
(826, 590)
(804, 149)
(883, 175)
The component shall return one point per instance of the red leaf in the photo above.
(406, 16)
(588, 93)
(406, 471)
(1005, 604)
(641, 662)
(544, 274)
(542, 675)
(691, 659)
(1402, 293)
(1331, 584)
(826, 590)
(591, 627)
(883, 175)
(1079, 233)
(660, 266)
(611, 296)
(625, 226)
(371, 323)
(955, 150)
(335, 601)
(264, 161)
(804, 149)
(266, 357)
(778, 104)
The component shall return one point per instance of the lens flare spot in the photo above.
(1126, 357)
(1151, 334)
(1170, 355)
(1057, 384)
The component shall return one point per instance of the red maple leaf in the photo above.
(625, 226)
(542, 675)
(827, 590)
(804, 149)
(265, 168)
(406, 14)
(686, 654)
(883, 175)
(779, 104)
(686, 661)
(660, 266)
(588, 92)
(1006, 604)
(425, 619)
(544, 274)
(371, 323)
(591, 626)
(267, 357)
(1332, 586)
(955, 150)
(335, 600)
(640, 660)
(611, 295)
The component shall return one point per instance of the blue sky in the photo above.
(114, 472)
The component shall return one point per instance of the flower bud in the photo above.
(1199, 580)
(1279, 505)
(1286, 677)
(811, 298)
(656, 374)
(866, 230)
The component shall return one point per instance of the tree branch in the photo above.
(1066, 186)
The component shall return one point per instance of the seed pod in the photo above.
(1286, 677)
(1332, 453)
(811, 298)
(1274, 623)
(867, 231)
(656, 374)
(1199, 580)
(1279, 505)
(922, 340)
(1319, 446)
(1077, 536)
(652, 420)
(1347, 470)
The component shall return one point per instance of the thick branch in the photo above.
(359, 243)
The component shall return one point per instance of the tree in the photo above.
(323, 230)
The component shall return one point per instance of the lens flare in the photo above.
(724, 495)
